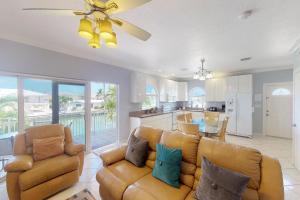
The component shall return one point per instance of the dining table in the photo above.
(207, 129)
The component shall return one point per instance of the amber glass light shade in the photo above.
(95, 41)
(106, 29)
(85, 28)
(112, 41)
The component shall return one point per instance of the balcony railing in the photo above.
(100, 126)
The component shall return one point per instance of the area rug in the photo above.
(83, 195)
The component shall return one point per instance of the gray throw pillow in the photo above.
(137, 151)
(217, 183)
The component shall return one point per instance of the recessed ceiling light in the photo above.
(159, 70)
(172, 74)
(246, 59)
(246, 14)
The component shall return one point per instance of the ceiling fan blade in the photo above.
(55, 11)
(123, 5)
(131, 29)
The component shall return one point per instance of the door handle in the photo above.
(294, 125)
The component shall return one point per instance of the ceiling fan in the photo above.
(97, 20)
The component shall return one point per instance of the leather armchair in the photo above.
(29, 179)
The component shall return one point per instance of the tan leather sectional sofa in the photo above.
(119, 179)
(29, 180)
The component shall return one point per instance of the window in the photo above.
(281, 92)
(151, 98)
(8, 106)
(197, 97)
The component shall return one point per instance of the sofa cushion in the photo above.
(233, 157)
(154, 189)
(40, 132)
(48, 169)
(47, 147)
(219, 183)
(167, 165)
(137, 151)
(150, 134)
(249, 194)
(128, 172)
(187, 143)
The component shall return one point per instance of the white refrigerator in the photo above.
(239, 111)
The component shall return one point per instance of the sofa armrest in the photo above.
(19, 163)
(271, 186)
(74, 149)
(114, 155)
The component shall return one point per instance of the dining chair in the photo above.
(211, 118)
(180, 118)
(222, 132)
(189, 128)
(188, 117)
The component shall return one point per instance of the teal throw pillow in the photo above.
(167, 165)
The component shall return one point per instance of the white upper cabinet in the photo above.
(168, 90)
(210, 90)
(215, 89)
(163, 89)
(182, 91)
(220, 89)
(239, 84)
(245, 84)
(138, 87)
(172, 91)
(231, 85)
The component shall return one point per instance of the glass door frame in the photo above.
(88, 115)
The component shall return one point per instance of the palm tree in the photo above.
(99, 94)
(110, 102)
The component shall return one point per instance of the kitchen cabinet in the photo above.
(172, 91)
(244, 84)
(138, 87)
(182, 91)
(231, 85)
(215, 89)
(168, 90)
(163, 121)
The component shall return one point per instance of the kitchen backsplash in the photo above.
(215, 104)
(168, 106)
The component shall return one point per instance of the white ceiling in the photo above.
(182, 33)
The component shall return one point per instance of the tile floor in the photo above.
(279, 148)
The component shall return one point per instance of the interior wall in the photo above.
(21, 58)
(259, 79)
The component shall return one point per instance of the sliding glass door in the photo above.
(104, 101)
(89, 109)
(71, 107)
(8, 107)
(37, 102)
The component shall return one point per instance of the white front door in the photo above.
(278, 110)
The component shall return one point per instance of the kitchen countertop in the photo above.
(141, 114)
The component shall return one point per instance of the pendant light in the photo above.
(95, 41)
(106, 29)
(112, 41)
(85, 28)
(203, 74)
